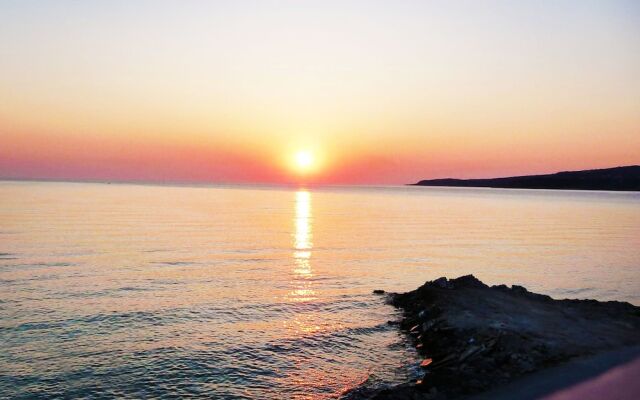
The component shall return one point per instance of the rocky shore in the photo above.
(473, 338)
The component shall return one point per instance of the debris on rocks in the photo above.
(473, 338)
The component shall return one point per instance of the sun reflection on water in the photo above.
(303, 221)
(302, 245)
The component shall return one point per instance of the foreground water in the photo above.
(247, 292)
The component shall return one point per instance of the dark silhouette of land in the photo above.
(618, 178)
(477, 339)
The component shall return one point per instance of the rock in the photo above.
(442, 283)
(378, 291)
(468, 281)
(519, 289)
(475, 337)
(426, 362)
(469, 352)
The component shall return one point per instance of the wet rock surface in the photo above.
(473, 338)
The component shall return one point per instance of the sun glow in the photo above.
(303, 161)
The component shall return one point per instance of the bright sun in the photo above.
(303, 160)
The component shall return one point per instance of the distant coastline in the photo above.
(625, 178)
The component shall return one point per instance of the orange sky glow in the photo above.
(375, 92)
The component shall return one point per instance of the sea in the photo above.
(261, 292)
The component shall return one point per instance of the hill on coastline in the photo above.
(618, 178)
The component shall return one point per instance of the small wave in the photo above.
(8, 256)
(578, 291)
(345, 337)
(133, 289)
(175, 263)
(44, 264)
(114, 321)
(33, 266)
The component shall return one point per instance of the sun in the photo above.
(303, 160)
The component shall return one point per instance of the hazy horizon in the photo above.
(299, 184)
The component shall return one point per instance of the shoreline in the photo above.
(477, 341)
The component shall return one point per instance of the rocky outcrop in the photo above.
(473, 338)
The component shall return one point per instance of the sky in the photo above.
(377, 92)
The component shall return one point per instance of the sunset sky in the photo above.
(385, 92)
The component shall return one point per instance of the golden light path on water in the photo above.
(303, 294)
(302, 245)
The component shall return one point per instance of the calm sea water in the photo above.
(239, 292)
